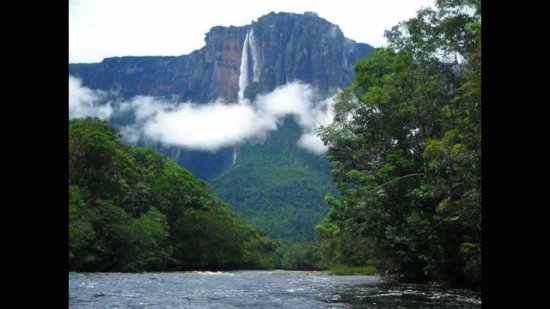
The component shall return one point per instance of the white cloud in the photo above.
(205, 127)
(214, 125)
(84, 102)
(320, 114)
(290, 99)
(312, 142)
(144, 107)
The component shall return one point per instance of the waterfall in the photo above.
(243, 74)
(249, 42)
(256, 66)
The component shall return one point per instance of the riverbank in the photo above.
(345, 270)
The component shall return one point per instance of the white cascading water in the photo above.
(256, 66)
(249, 42)
(243, 74)
(243, 82)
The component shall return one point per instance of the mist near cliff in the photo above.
(213, 125)
(85, 102)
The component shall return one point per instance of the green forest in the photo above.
(277, 203)
(404, 153)
(130, 209)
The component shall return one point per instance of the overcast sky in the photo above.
(107, 28)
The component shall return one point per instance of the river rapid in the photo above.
(255, 289)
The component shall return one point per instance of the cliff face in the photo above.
(222, 60)
(278, 48)
(204, 75)
(287, 47)
(307, 48)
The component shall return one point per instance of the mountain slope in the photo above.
(277, 186)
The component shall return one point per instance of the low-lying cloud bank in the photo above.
(85, 102)
(210, 126)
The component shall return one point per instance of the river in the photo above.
(255, 289)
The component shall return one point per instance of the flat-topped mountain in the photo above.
(237, 63)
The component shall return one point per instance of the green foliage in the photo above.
(300, 256)
(405, 153)
(292, 256)
(277, 186)
(130, 210)
(149, 235)
(81, 231)
(345, 270)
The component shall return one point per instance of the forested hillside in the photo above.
(277, 186)
(130, 209)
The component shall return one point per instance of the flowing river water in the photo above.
(255, 289)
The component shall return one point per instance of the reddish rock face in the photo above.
(290, 46)
(224, 49)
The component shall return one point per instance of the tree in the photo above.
(81, 231)
(130, 209)
(405, 152)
